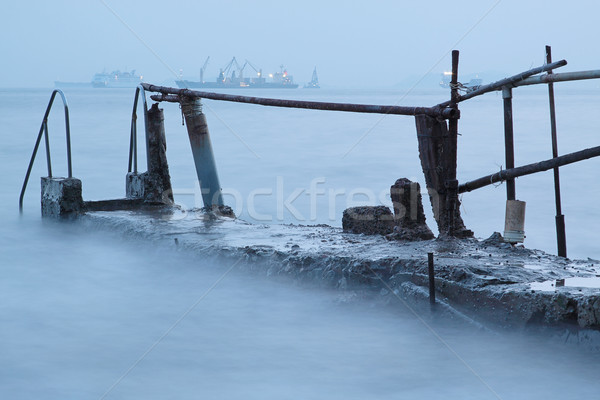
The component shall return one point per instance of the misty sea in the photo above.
(80, 308)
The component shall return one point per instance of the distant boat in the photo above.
(232, 77)
(116, 79)
(314, 82)
(470, 86)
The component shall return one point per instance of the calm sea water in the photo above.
(78, 308)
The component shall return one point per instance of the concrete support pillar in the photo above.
(61, 197)
(154, 185)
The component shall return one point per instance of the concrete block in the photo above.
(61, 197)
(409, 216)
(134, 186)
(370, 220)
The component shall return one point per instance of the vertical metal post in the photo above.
(509, 149)
(431, 278)
(134, 145)
(204, 158)
(561, 239)
(47, 141)
(68, 135)
(450, 183)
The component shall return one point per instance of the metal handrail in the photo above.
(133, 136)
(44, 131)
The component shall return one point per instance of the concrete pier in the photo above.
(489, 280)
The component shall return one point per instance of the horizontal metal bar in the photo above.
(436, 111)
(529, 169)
(561, 77)
(510, 81)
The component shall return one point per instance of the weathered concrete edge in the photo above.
(503, 305)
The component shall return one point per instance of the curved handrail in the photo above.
(44, 131)
(133, 136)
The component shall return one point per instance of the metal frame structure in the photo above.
(133, 136)
(44, 131)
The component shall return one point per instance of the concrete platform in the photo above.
(487, 280)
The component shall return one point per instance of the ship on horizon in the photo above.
(468, 87)
(232, 77)
(114, 79)
(314, 82)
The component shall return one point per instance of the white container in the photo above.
(514, 221)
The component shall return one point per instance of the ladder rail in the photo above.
(44, 132)
(133, 137)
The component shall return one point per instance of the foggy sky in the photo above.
(353, 44)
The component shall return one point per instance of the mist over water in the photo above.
(73, 323)
(79, 306)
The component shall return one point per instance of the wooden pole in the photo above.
(158, 181)
(561, 240)
(437, 152)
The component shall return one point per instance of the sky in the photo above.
(352, 44)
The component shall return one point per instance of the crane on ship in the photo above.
(231, 67)
(259, 75)
(203, 69)
(314, 82)
(257, 70)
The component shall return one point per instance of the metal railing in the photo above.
(133, 137)
(44, 132)
(175, 95)
(446, 110)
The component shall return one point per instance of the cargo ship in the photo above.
(232, 77)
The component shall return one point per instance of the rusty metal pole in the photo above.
(204, 159)
(450, 183)
(431, 278)
(561, 239)
(529, 169)
(47, 141)
(509, 148)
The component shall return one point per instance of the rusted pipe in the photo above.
(509, 142)
(436, 111)
(561, 238)
(507, 82)
(204, 159)
(529, 169)
(560, 77)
